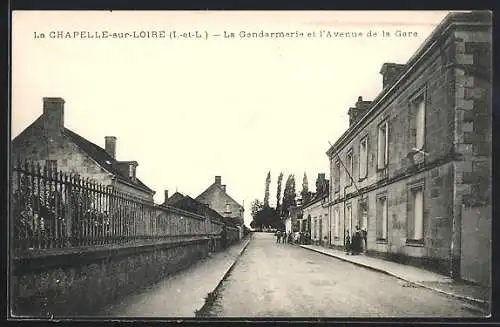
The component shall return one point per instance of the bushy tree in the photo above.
(264, 216)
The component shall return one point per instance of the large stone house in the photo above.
(47, 142)
(414, 167)
(216, 197)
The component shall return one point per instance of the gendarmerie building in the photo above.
(414, 166)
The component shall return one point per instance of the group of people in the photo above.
(357, 243)
(283, 237)
(292, 237)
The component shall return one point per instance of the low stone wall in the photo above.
(71, 282)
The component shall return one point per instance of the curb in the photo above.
(483, 304)
(211, 295)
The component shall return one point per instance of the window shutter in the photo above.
(386, 144)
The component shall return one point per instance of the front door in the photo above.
(320, 231)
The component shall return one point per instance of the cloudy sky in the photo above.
(189, 109)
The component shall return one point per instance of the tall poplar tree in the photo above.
(266, 194)
(289, 195)
(305, 194)
(278, 194)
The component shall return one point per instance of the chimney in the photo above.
(355, 113)
(53, 112)
(218, 180)
(390, 72)
(166, 196)
(223, 188)
(110, 145)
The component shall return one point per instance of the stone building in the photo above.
(47, 142)
(216, 197)
(316, 220)
(414, 166)
(185, 202)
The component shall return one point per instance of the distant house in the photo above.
(189, 204)
(216, 198)
(315, 217)
(47, 142)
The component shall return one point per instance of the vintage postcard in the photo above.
(250, 164)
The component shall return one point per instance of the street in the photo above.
(282, 280)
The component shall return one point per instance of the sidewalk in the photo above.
(183, 293)
(472, 293)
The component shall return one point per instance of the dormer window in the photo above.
(131, 171)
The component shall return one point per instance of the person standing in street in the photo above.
(356, 241)
(364, 233)
(347, 243)
(278, 236)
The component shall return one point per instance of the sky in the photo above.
(188, 109)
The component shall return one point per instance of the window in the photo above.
(419, 106)
(382, 218)
(336, 220)
(349, 166)
(131, 171)
(416, 214)
(363, 158)
(337, 176)
(227, 208)
(383, 148)
(363, 209)
(348, 219)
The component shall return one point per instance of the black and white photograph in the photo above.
(205, 165)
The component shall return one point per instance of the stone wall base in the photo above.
(82, 283)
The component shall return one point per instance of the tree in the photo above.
(255, 207)
(266, 194)
(289, 195)
(305, 194)
(264, 216)
(278, 194)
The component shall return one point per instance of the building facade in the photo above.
(418, 156)
(47, 142)
(216, 198)
(315, 220)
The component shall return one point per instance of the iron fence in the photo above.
(52, 209)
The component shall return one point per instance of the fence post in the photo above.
(68, 209)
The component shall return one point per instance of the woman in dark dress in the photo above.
(356, 241)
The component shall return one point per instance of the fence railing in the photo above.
(52, 209)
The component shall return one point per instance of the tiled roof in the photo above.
(104, 159)
(215, 185)
(189, 204)
(174, 198)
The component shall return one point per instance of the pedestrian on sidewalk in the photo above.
(356, 241)
(348, 243)
(364, 233)
(278, 236)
